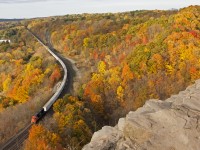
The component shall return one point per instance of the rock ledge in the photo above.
(173, 124)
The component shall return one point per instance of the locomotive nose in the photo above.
(34, 119)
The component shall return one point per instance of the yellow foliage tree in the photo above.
(6, 83)
(101, 67)
(120, 92)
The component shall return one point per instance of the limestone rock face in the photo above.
(173, 124)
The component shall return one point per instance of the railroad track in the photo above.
(16, 142)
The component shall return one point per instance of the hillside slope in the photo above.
(124, 59)
(172, 124)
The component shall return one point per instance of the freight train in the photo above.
(48, 105)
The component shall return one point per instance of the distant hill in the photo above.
(10, 20)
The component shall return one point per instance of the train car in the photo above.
(37, 116)
(48, 105)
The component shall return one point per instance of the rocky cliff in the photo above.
(173, 124)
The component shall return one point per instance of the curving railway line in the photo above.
(16, 142)
(48, 105)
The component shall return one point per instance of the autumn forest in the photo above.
(122, 60)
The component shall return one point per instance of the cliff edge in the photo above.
(173, 124)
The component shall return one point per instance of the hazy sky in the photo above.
(41, 8)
